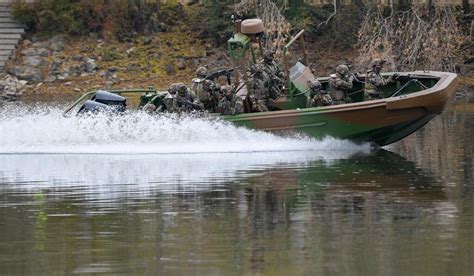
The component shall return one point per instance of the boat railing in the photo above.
(412, 81)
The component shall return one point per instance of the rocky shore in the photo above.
(11, 88)
(61, 68)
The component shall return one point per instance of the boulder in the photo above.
(169, 68)
(50, 79)
(147, 40)
(181, 64)
(33, 61)
(78, 57)
(57, 43)
(11, 88)
(27, 73)
(43, 52)
(55, 67)
(78, 69)
(91, 66)
(26, 43)
(29, 52)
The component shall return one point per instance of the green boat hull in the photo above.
(327, 127)
(381, 122)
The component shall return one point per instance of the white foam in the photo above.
(46, 130)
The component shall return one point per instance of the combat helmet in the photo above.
(256, 69)
(378, 62)
(269, 56)
(181, 88)
(201, 72)
(173, 88)
(314, 85)
(342, 69)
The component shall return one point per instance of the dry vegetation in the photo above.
(410, 39)
(277, 29)
(413, 39)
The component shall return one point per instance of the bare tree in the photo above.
(410, 39)
(277, 29)
(466, 6)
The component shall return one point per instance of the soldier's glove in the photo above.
(395, 76)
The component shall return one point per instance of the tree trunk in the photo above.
(466, 7)
(429, 6)
(357, 3)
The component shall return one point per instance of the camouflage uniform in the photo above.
(318, 97)
(181, 99)
(340, 84)
(230, 104)
(205, 89)
(149, 108)
(273, 73)
(260, 96)
(374, 80)
(169, 100)
(187, 100)
(225, 104)
(237, 105)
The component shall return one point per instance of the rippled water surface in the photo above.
(143, 195)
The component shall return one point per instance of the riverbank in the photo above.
(61, 68)
(82, 64)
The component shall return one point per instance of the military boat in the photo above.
(407, 104)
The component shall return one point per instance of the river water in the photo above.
(146, 195)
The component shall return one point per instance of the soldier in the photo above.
(340, 84)
(186, 99)
(237, 105)
(230, 104)
(224, 105)
(260, 96)
(274, 74)
(318, 97)
(170, 101)
(205, 89)
(374, 80)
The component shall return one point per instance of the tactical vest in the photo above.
(199, 86)
(370, 87)
(336, 93)
(259, 89)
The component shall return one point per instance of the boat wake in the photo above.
(44, 130)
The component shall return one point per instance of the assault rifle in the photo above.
(223, 72)
(186, 103)
(355, 77)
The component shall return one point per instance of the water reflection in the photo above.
(312, 212)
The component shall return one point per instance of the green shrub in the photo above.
(79, 17)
